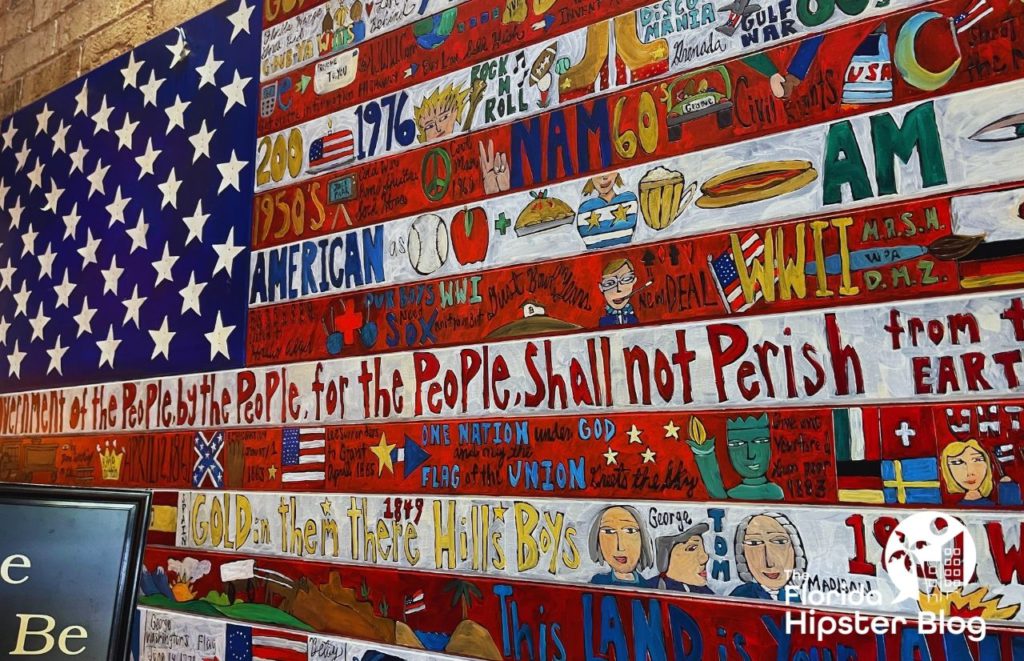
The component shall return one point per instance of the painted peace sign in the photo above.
(436, 174)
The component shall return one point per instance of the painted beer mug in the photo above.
(664, 196)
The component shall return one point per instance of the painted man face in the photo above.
(750, 450)
(969, 469)
(688, 562)
(768, 550)
(620, 540)
(618, 285)
(438, 122)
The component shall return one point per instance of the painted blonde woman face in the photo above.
(969, 469)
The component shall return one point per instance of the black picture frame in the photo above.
(137, 507)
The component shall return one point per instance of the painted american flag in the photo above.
(303, 455)
(125, 200)
(251, 644)
(331, 151)
(727, 278)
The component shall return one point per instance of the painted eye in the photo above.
(956, 462)
(753, 542)
(1006, 129)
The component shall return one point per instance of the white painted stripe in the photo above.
(302, 477)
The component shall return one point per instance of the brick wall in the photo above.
(46, 43)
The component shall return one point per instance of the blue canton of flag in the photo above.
(208, 464)
(125, 202)
(239, 644)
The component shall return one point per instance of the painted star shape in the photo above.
(43, 119)
(35, 175)
(38, 324)
(7, 275)
(170, 190)
(201, 142)
(111, 276)
(147, 161)
(240, 20)
(102, 116)
(78, 158)
(53, 197)
(195, 224)
(8, 136)
(132, 306)
(648, 456)
(150, 89)
(164, 265)
(56, 357)
(176, 113)
(207, 72)
(71, 222)
(22, 156)
(325, 506)
(138, 234)
(383, 452)
(116, 207)
(634, 434)
(162, 341)
(4, 327)
(99, 173)
(218, 338)
(46, 262)
(64, 291)
(226, 253)
(131, 72)
(84, 318)
(14, 361)
(190, 294)
(16, 212)
(88, 251)
(620, 214)
(108, 347)
(610, 457)
(82, 101)
(671, 430)
(28, 240)
(230, 171)
(235, 92)
(4, 190)
(60, 138)
(126, 133)
(21, 298)
(272, 471)
(179, 49)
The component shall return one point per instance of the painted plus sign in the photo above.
(347, 323)
(905, 432)
(502, 223)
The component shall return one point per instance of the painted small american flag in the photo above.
(414, 603)
(723, 268)
(331, 151)
(302, 455)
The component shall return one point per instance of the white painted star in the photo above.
(176, 113)
(56, 357)
(162, 341)
(43, 119)
(195, 224)
(610, 457)
(111, 276)
(648, 456)
(126, 133)
(138, 234)
(235, 92)
(7, 276)
(229, 172)
(179, 49)
(16, 212)
(78, 158)
(9, 134)
(4, 190)
(28, 240)
(133, 305)
(53, 197)
(131, 72)
(82, 101)
(150, 89)
(170, 190)
(14, 361)
(201, 142)
(99, 173)
(38, 324)
(64, 291)
(116, 207)
(147, 161)
(102, 116)
(88, 251)
(218, 338)
(108, 347)
(240, 20)
(21, 298)
(60, 138)
(190, 295)
(207, 72)
(22, 156)
(4, 327)
(35, 175)
(226, 253)
(71, 222)
(46, 262)
(84, 318)
(164, 265)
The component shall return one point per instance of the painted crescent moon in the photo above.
(905, 55)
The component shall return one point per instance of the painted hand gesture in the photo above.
(494, 167)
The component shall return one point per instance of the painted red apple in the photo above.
(470, 235)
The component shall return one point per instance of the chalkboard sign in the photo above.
(69, 571)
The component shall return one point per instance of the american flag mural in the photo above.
(487, 329)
